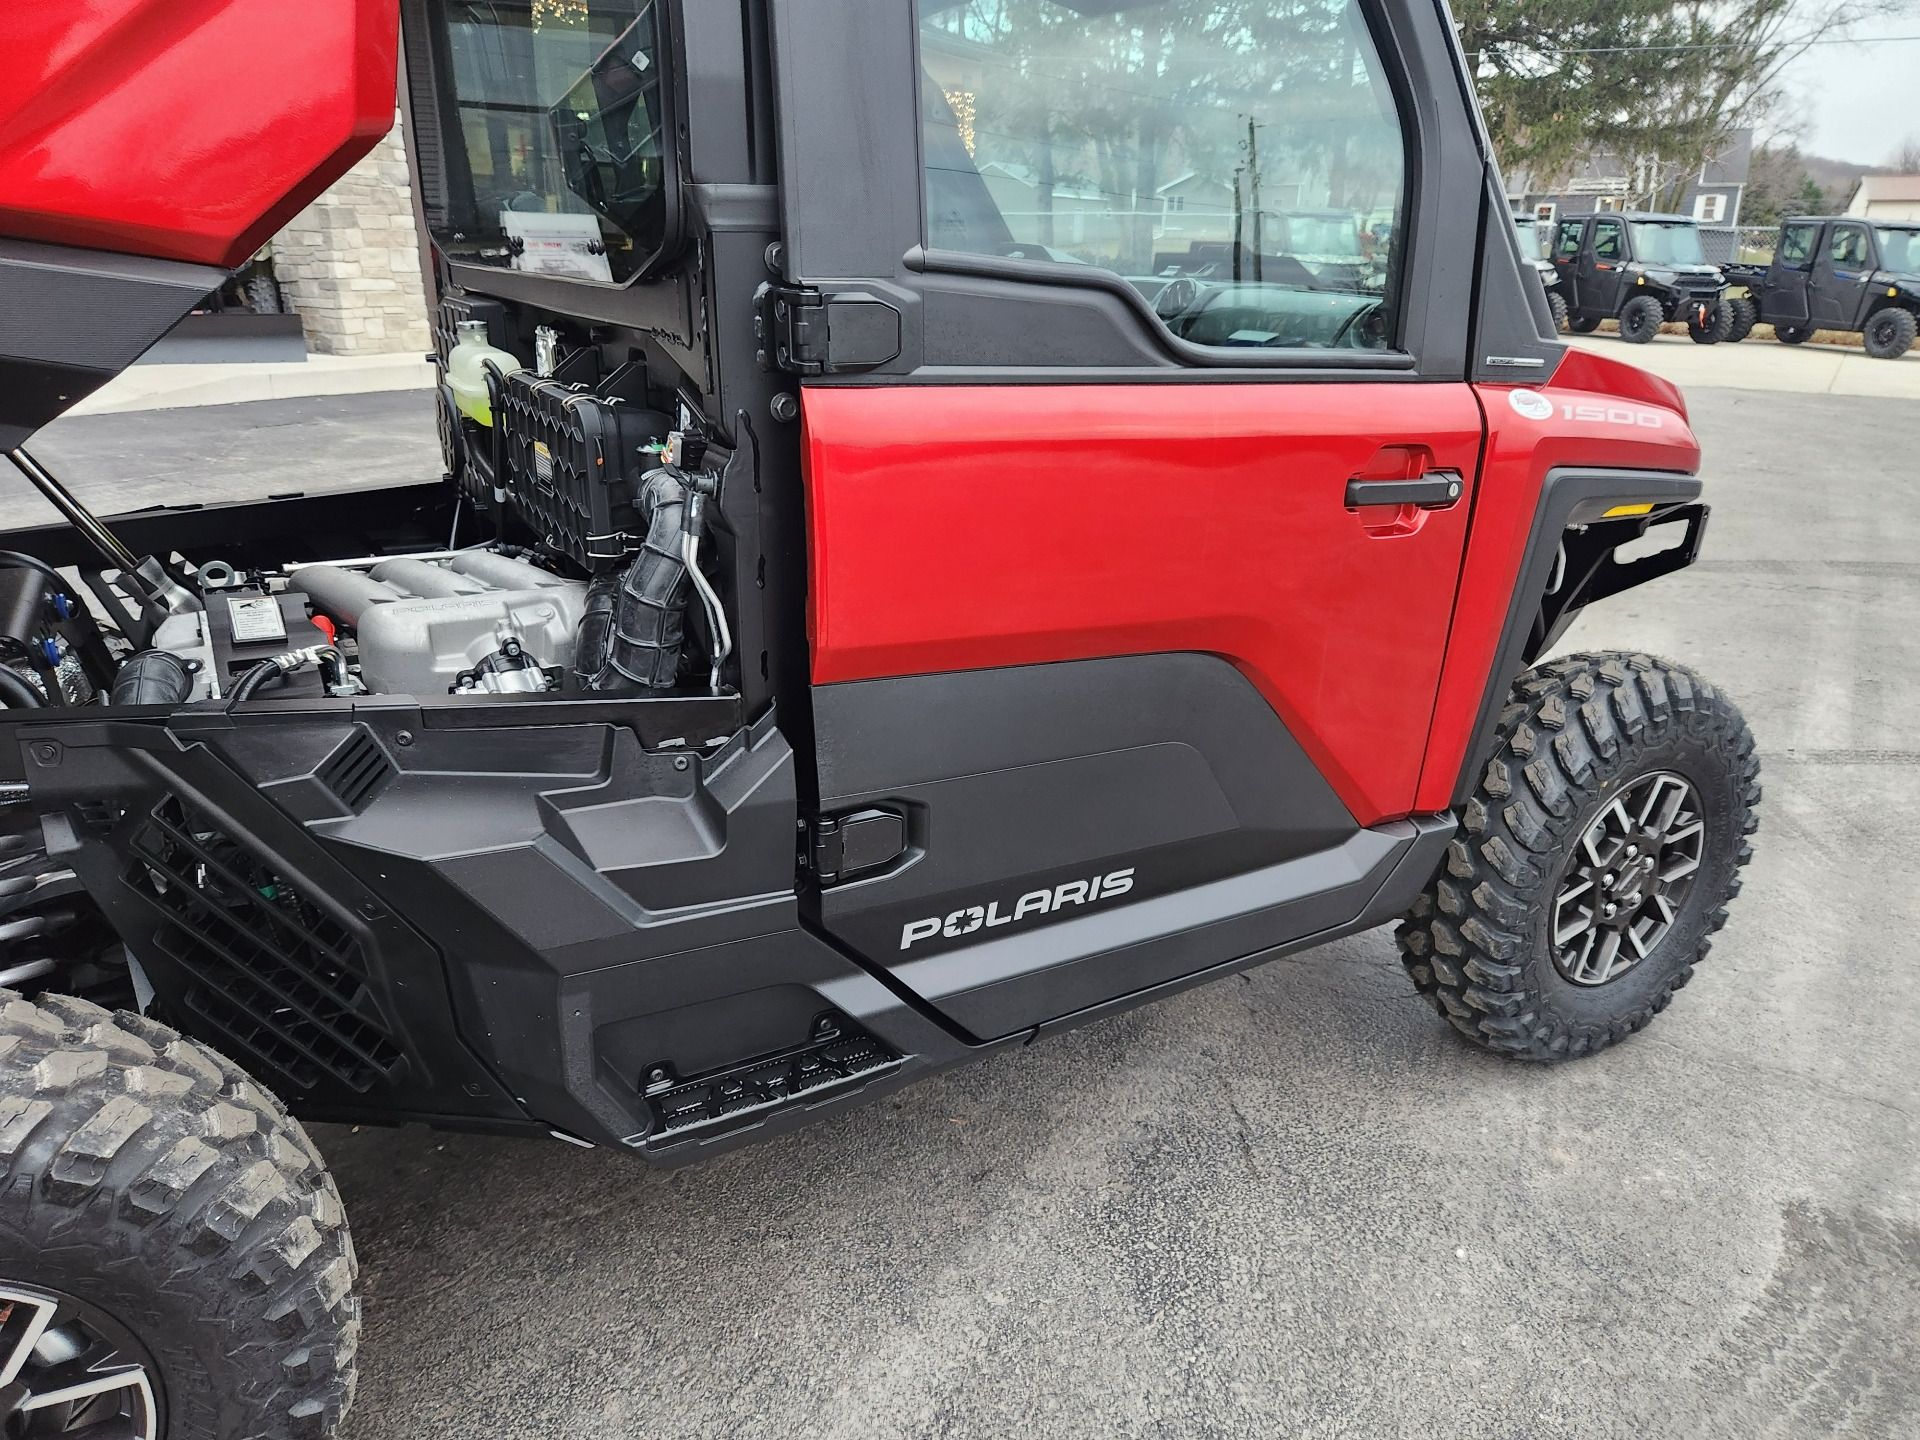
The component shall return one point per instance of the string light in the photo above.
(962, 102)
(564, 12)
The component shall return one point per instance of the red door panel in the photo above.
(965, 528)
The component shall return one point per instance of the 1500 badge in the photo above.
(1034, 902)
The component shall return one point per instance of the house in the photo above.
(1604, 181)
(1201, 207)
(1887, 197)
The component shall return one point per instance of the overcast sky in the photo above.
(1858, 99)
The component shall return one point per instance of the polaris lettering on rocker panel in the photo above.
(1034, 902)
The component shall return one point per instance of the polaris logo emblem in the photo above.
(1034, 902)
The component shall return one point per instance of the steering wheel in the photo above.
(1368, 323)
(1177, 297)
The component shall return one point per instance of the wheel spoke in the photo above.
(1586, 950)
(1564, 933)
(1589, 843)
(1609, 953)
(1682, 866)
(84, 1389)
(38, 1314)
(1676, 796)
(1684, 833)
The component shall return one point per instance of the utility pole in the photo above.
(1239, 219)
(1253, 172)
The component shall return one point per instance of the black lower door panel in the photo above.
(1079, 832)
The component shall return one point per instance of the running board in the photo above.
(839, 1058)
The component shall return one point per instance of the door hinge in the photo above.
(841, 846)
(806, 331)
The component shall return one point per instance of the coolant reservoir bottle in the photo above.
(466, 369)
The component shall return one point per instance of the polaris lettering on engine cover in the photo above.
(1034, 902)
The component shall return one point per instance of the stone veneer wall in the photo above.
(350, 262)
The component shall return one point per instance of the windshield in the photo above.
(554, 146)
(1899, 247)
(1667, 243)
(1528, 230)
(1331, 236)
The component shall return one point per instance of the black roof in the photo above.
(1638, 217)
(1881, 222)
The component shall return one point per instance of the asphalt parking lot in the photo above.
(1291, 1203)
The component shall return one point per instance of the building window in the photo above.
(1710, 208)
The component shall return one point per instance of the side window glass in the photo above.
(1849, 246)
(1607, 240)
(1569, 245)
(1242, 166)
(1796, 244)
(557, 128)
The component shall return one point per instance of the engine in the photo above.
(473, 621)
(592, 584)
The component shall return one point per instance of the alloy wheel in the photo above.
(1630, 874)
(67, 1368)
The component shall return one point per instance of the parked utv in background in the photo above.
(1643, 270)
(1527, 230)
(1834, 272)
(833, 649)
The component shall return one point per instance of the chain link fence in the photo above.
(1726, 244)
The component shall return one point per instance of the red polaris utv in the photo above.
(871, 615)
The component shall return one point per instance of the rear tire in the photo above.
(1641, 320)
(1581, 738)
(1745, 317)
(167, 1201)
(1793, 334)
(1557, 305)
(1890, 333)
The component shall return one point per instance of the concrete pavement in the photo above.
(1766, 364)
(1292, 1203)
(166, 387)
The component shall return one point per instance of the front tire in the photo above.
(1641, 320)
(1557, 307)
(1793, 334)
(1719, 327)
(1890, 333)
(1584, 324)
(1593, 751)
(173, 1228)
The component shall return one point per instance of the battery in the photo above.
(250, 626)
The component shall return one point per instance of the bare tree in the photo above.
(1906, 159)
(1663, 84)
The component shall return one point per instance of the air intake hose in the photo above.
(153, 677)
(631, 635)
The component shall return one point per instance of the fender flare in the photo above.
(1573, 497)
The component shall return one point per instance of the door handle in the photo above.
(1435, 490)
